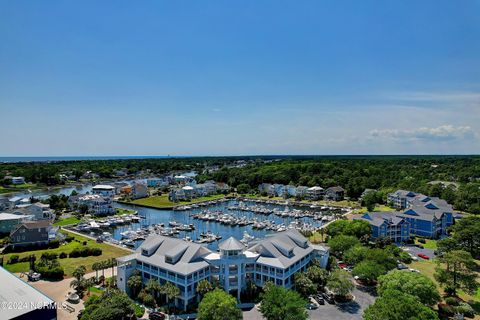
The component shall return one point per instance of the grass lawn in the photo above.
(163, 201)
(429, 243)
(317, 237)
(121, 212)
(378, 208)
(69, 264)
(427, 267)
(67, 221)
(18, 187)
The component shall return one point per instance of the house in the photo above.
(104, 190)
(210, 187)
(335, 193)
(4, 203)
(32, 233)
(301, 191)
(118, 186)
(126, 189)
(400, 198)
(315, 193)
(157, 182)
(37, 210)
(14, 201)
(389, 225)
(222, 187)
(279, 190)
(276, 258)
(177, 195)
(31, 303)
(139, 190)
(266, 188)
(96, 204)
(18, 180)
(8, 221)
(291, 191)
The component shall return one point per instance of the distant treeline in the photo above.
(357, 173)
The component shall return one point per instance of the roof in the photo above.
(270, 249)
(36, 224)
(187, 188)
(21, 293)
(9, 216)
(103, 187)
(316, 188)
(191, 258)
(336, 189)
(231, 244)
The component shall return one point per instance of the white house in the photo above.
(18, 180)
(104, 190)
(315, 193)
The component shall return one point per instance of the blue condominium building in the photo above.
(422, 216)
(276, 258)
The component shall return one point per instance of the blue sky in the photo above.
(239, 77)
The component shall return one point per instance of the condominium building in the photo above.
(276, 258)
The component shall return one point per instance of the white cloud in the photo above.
(444, 132)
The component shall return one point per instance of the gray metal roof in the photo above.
(231, 244)
(12, 289)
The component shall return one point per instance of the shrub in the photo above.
(69, 239)
(421, 240)
(446, 309)
(451, 301)
(49, 256)
(62, 255)
(466, 309)
(54, 244)
(55, 273)
(85, 252)
(13, 259)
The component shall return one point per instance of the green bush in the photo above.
(85, 252)
(49, 255)
(55, 273)
(13, 259)
(421, 240)
(451, 301)
(62, 255)
(466, 309)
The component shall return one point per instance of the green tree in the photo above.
(340, 283)
(79, 283)
(368, 271)
(304, 285)
(203, 287)
(317, 275)
(466, 232)
(153, 287)
(412, 283)
(456, 270)
(396, 305)
(112, 305)
(356, 254)
(170, 291)
(341, 243)
(243, 188)
(359, 228)
(218, 305)
(134, 282)
(279, 303)
(337, 227)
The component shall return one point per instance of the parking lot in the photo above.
(345, 311)
(416, 250)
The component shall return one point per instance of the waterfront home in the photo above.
(18, 180)
(96, 204)
(139, 190)
(210, 187)
(28, 302)
(14, 201)
(38, 211)
(200, 190)
(267, 188)
(315, 193)
(291, 191)
(335, 193)
(276, 258)
(104, 190)
(426, 216)
(280, 190)
(4, 203)
(157, 182)
(389, 225)
(301, 191)
(8, 221)
(32, 233)
(222, 187)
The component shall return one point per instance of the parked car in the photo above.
(423, 256)
(328, 298)
(311, 306)
(401, 266)
(319, 299)
(413, 270)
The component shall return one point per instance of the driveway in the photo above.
(345, 311)
(58, 290)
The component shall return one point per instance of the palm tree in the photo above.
(135, 284)
(203, 287)
(113, 263)
(170, 291)
(153, 287)
(79, 283)
(79, 272)
(96, 267)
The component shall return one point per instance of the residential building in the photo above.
(276, 258)
(388, 224)
(31, 303)
(335, 193)
(8, 221)
(18, 180)
(139, 190)
(267, 188)
(33, 233)
(301, 191)
(104, 190)
(96, 204)
(210, 187)
(4, 203)
(400, 198)
(157, 182)
(291, 191)
(426, 216)
(315, 193)
(37, 210)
